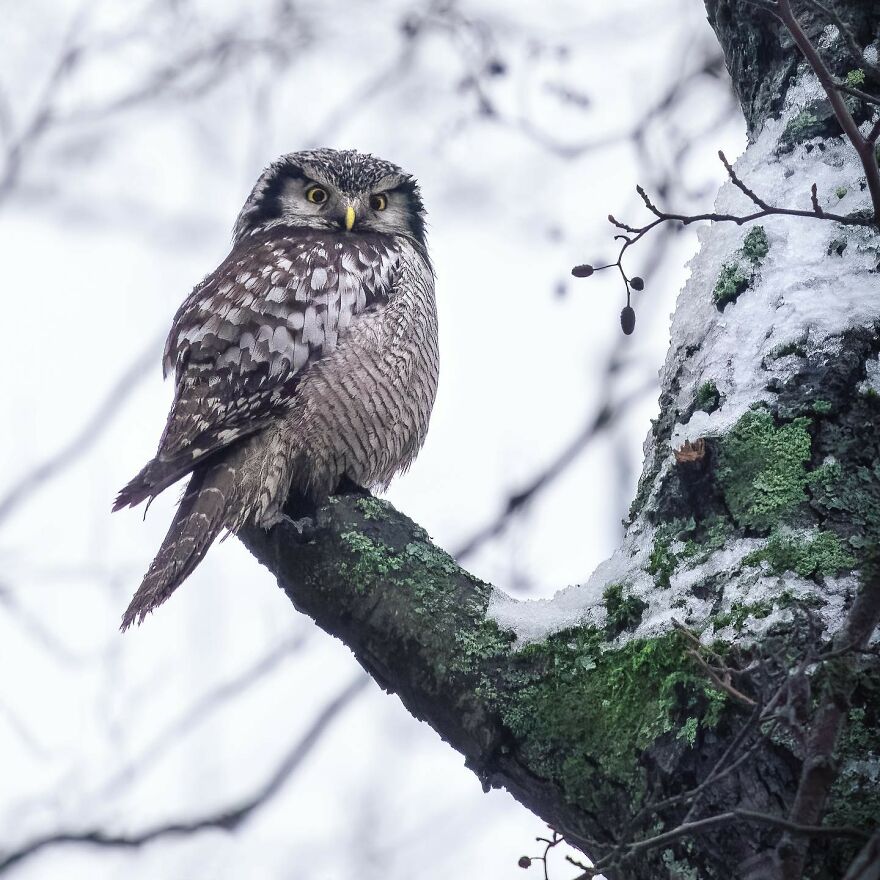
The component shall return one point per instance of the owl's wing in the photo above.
(245, 336)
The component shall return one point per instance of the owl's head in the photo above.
(342, 190)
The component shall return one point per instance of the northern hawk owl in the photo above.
(308, 356)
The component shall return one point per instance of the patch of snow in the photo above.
(582, 604)
(801, 294)
(872, 382)
(829, 36)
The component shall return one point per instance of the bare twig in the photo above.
(710, 66)
(721, 683)
(190, 74)
(549, 843)
(863, 145)
(864, 149)
(866, 865)
(819, 772)
(227, 819)
(87, 436)
(605, 416)
(855, 50)
(201, 710)
(43, 115)
(857, 93)
(630, 235)
(689, 828)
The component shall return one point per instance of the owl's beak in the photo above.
(349, 217)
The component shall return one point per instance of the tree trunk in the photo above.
(755, 526)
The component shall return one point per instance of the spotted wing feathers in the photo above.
(242, 340)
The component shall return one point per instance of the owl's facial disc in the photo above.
(339, 190)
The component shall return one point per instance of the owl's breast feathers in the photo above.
(244, 338)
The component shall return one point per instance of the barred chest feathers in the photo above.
(364, 412)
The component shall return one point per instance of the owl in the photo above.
(307, 357)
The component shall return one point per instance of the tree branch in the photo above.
(864, 149)
(227, 819)
(85, 438)
(819, 769)
(417, 622)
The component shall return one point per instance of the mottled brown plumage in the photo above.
(309, 355)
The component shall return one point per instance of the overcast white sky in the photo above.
(112, 219)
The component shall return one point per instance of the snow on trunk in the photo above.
(729, 539)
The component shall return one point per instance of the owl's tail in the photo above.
(200, 517)
(154, 477)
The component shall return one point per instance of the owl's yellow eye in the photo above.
(379, 202)
(317, 195)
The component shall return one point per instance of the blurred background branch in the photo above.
(228, 819)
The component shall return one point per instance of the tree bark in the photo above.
(756, 525)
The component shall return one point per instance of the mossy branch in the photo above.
(417, 623)
(535, 721)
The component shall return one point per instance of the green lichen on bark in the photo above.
(678, 869)
(786, 349)
(855, 794)
(424, 574)
(738, 273)
(855, 77)
(762, 468)
(662, 562)
(848, 493)
(372, 508)
(582, 714)
(731, 282)
(740, 612)
(685, 541)
(578, 712)
(624, 611)
(821, 554)
(372, 559)
(708, 398)
(755, 245)
(817, 119)
(804, 126)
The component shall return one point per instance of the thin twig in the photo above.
(864, 150)
(85, 438)
(728, 818)
(606, 415)
(725, 686)
(819, 773)
(200, 712)
(227, 819)
(856, 93)
(855, 50)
